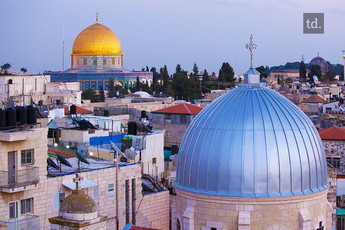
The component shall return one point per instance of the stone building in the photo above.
(333, 139)
(175, 120)
(30, 194)
(251, 160)
(22, 88)
(312, 104)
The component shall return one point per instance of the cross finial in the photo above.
(96, 17)
(251, 46)
(77, 181)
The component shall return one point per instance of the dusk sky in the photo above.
(162, 32)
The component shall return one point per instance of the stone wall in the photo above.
(335, 148)
(154, 210)
(199, 212)
(332, 192)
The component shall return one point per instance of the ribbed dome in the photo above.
(96, 39)
(251, 142)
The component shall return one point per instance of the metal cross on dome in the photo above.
(251, 46)
(77, 180)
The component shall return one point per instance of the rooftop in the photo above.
(332, 133)
(70, 156)
(79, 110)
(314, 99)
(183, 108)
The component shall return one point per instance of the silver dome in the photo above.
(251, 142)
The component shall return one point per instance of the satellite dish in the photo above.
(52, 164)
(63, 160)
(81, 158)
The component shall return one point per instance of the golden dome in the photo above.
(96, 39)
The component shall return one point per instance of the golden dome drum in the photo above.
(96, 39)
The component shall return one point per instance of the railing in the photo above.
(19, 178)
(30, 222)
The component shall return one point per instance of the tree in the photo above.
(205, 76)
(112, 89)
(288, 80)
(184, 88)
(226, 74)
(178, 69)
(24, 70)
(147, 69)
(302, 72)
(195, 69)
(262, 71)
(6, 66)
(155, 78)
(90, 94)
(101, 94)
(314, 71)
(164, 77)
(138, 85)
(341, 78)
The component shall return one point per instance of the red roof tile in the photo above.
(80, 110)
(314, 99)
(333, 133)
(183, 108)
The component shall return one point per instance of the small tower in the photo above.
(78, 211)
(252, 76)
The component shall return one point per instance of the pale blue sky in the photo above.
(158, 32)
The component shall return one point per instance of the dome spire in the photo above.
(251, 76)
(251, 46)
(96, 17)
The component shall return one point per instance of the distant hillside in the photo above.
(337, 68)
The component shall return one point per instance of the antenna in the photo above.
(63, 48)
(96, 17)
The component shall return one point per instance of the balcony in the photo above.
(19, 180)
(30, 222)
(13, 135)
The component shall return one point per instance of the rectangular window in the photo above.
(13, 210)
(334, 161)
(27, 157)
(95, 192)
(26, 206)
(133, 201)
(61, 197)
(183, 119)
(111, 190)
(127, 200)
(154, 160)
(167, 119)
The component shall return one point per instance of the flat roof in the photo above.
(95, 164)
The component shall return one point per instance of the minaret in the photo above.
(251, 76)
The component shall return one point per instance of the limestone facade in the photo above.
(204, 212)
(44, 196)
